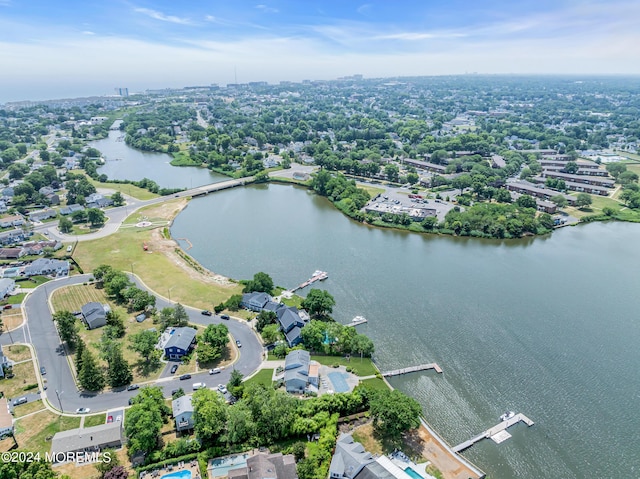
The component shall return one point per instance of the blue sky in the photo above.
(51, 49)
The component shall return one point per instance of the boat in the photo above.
(507, 415)
(357, 320)
(321, 275)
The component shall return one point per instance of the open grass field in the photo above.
(360, 367)
(72, 298)
(24, 375)
(16, 298)
(125, 189)
(33, 433)
(160, 267)
(365, 435)
(261, 377)
(372, 190)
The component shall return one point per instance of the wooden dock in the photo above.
(495, 430)
(413, 369)
(317, 276)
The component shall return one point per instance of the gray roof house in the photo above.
(181, 341)
(291, 324)
(266, 466)
(88, 439)
(95, 314)
(349, 458)
(7, 285)
(255, 301)
(296, 372)
(53, 267)
(183, 413)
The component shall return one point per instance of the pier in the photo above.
(356, 321)
(497, 433)
(317, 276)
(413, 369)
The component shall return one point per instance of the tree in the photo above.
(261, 282)
(264, 319)
(361, 344)
(209, 415)
(67, 327)
(180, 316)
(412, 178)
(526, 201)
(271, 333)
(80, 347)
(615, 169)
(118, 472)
(79, 216)
(235, 383)
(103, 467)
(96, 217)
(319, 303)
(583, 200)
(391, 171)
(119, 372)
(144, 343)
(90, 376)
(233, 303)
(145, 419)
(393, 412)
(65, 225)
(240, 426)
(560, 201)
(571, 167)
(117, 323)
(117, 198)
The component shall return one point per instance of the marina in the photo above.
(497, 433)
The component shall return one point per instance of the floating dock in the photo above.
(357, 320)
(413, 369)
(497, 433)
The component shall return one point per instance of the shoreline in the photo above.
(449, 463)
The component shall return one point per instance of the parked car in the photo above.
(132, 387)
(222, 388)
(174, 368)
(43, 371)
(69, 248)
(197, 386)
(206, 312)
(214, 371)
(22, 400)
(110, 419)
(83, 410)
(185, 376)
(119, 418)
(7, 306)
(224, 316)
(238, 343)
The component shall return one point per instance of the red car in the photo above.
(110, 419)
(7, 306)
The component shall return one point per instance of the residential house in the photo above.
(7, 286)
(3, 207)
(13, 236)
(266, 466)
(95, 314)
(6, 419)
(183, 413)
(42, 215)
(71, 163)
(87, 439)
(100, 203)
(349, 458)
(179, 341)
(291, 324)
(584, 179)
(527, 188)
(47, 266)
(8, 192)
(45, 190)
(255, 301)
(4, 363)
(14, 220)
(32, 247)
(297, 368)
(11, 253)
(67, 210)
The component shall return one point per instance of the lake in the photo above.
(547, 326)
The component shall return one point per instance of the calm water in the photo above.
(126, 163)
(547, 327)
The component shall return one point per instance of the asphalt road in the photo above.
(62, 391)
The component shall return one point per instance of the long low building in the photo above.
(584, 179)
(88, 439)
(527, 188)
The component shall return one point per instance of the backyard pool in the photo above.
(186, 474)
(221, 467)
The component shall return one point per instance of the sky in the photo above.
(61, 49)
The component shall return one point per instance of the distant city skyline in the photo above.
(54, 49)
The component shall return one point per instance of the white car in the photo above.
(197, 386)
(222, 388)
(214, 371)
(83, 410)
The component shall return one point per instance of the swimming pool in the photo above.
(221, 467)
(339, 382)
(186, 474)
(413, 473)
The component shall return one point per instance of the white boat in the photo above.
(320, 275)
(358, 320)
(507, 415)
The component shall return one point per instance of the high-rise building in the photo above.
(122, 92)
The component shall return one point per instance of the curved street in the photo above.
(63, 394)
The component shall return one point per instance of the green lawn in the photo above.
(95, 420)
(375, 384)
(360, 367)
(123, 250)
(261, 377)
(16, 298)
(33, 281)
(34, 433)
(127, 189)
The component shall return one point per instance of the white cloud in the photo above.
(364, 8)
(266, 9)
(88, 32)
(156, 15)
